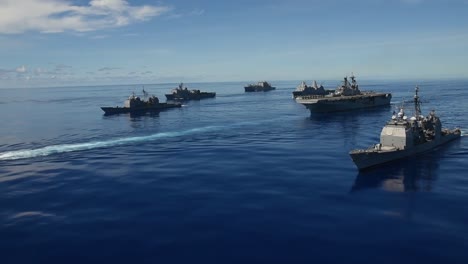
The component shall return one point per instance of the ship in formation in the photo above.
(305, 90)
(347, 96)
(402, 137)
(263, 86)
(135, 104)
(181, 93)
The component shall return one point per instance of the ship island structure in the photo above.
(305, 90)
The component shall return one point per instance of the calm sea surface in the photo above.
(241, 178)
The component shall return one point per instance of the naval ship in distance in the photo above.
(346, 97)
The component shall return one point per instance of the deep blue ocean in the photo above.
(241, 178)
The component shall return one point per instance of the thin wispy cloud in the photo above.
(24, 72)
(193, 12)
(5, 73)
(62, 67)
(21, 69)
(131, 34)
(40, 71)
(197, 12)
(412, 2)
(100, 37)
(107, 69)
(53, 16)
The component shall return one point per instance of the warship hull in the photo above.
(249, 89)
(343, 103)
(202, 95)
(365, 159)
(152, 108)
(297, 94)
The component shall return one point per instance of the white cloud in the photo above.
(52, 16)
(100, 37)
(197, 12)
(21, 69)
(62, 67)
(39, 71)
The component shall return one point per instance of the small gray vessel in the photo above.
(259, 87)
(135, 104)
(183, 94)
(402, 137)
(346, 97)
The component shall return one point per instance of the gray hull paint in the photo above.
(154, 108)
(192, 96)
(258, 89)
(369, 158)
(332, 104)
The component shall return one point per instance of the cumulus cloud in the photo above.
(62, 67)
(21, 69)
(10, 73)
(53, 16)
(26, 73)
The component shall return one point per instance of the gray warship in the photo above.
(304, 90)
(345, 97)
(402, 137)
(135, 104)
(263, 86)
(183, 94)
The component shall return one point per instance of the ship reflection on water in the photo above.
(412, 174)
(138, 115)
(351, 122)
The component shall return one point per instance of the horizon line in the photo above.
(248, 81)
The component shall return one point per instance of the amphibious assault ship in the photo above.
(135, 104)
(304, 90)
(259, 87)
(402, 137)
(183, 94)
(345, 97)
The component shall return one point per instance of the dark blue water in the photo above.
(242, 178)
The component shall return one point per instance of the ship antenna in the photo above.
(145, 93)
(417, 103)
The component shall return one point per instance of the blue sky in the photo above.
(93, 42)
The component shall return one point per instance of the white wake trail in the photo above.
(62, 148)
